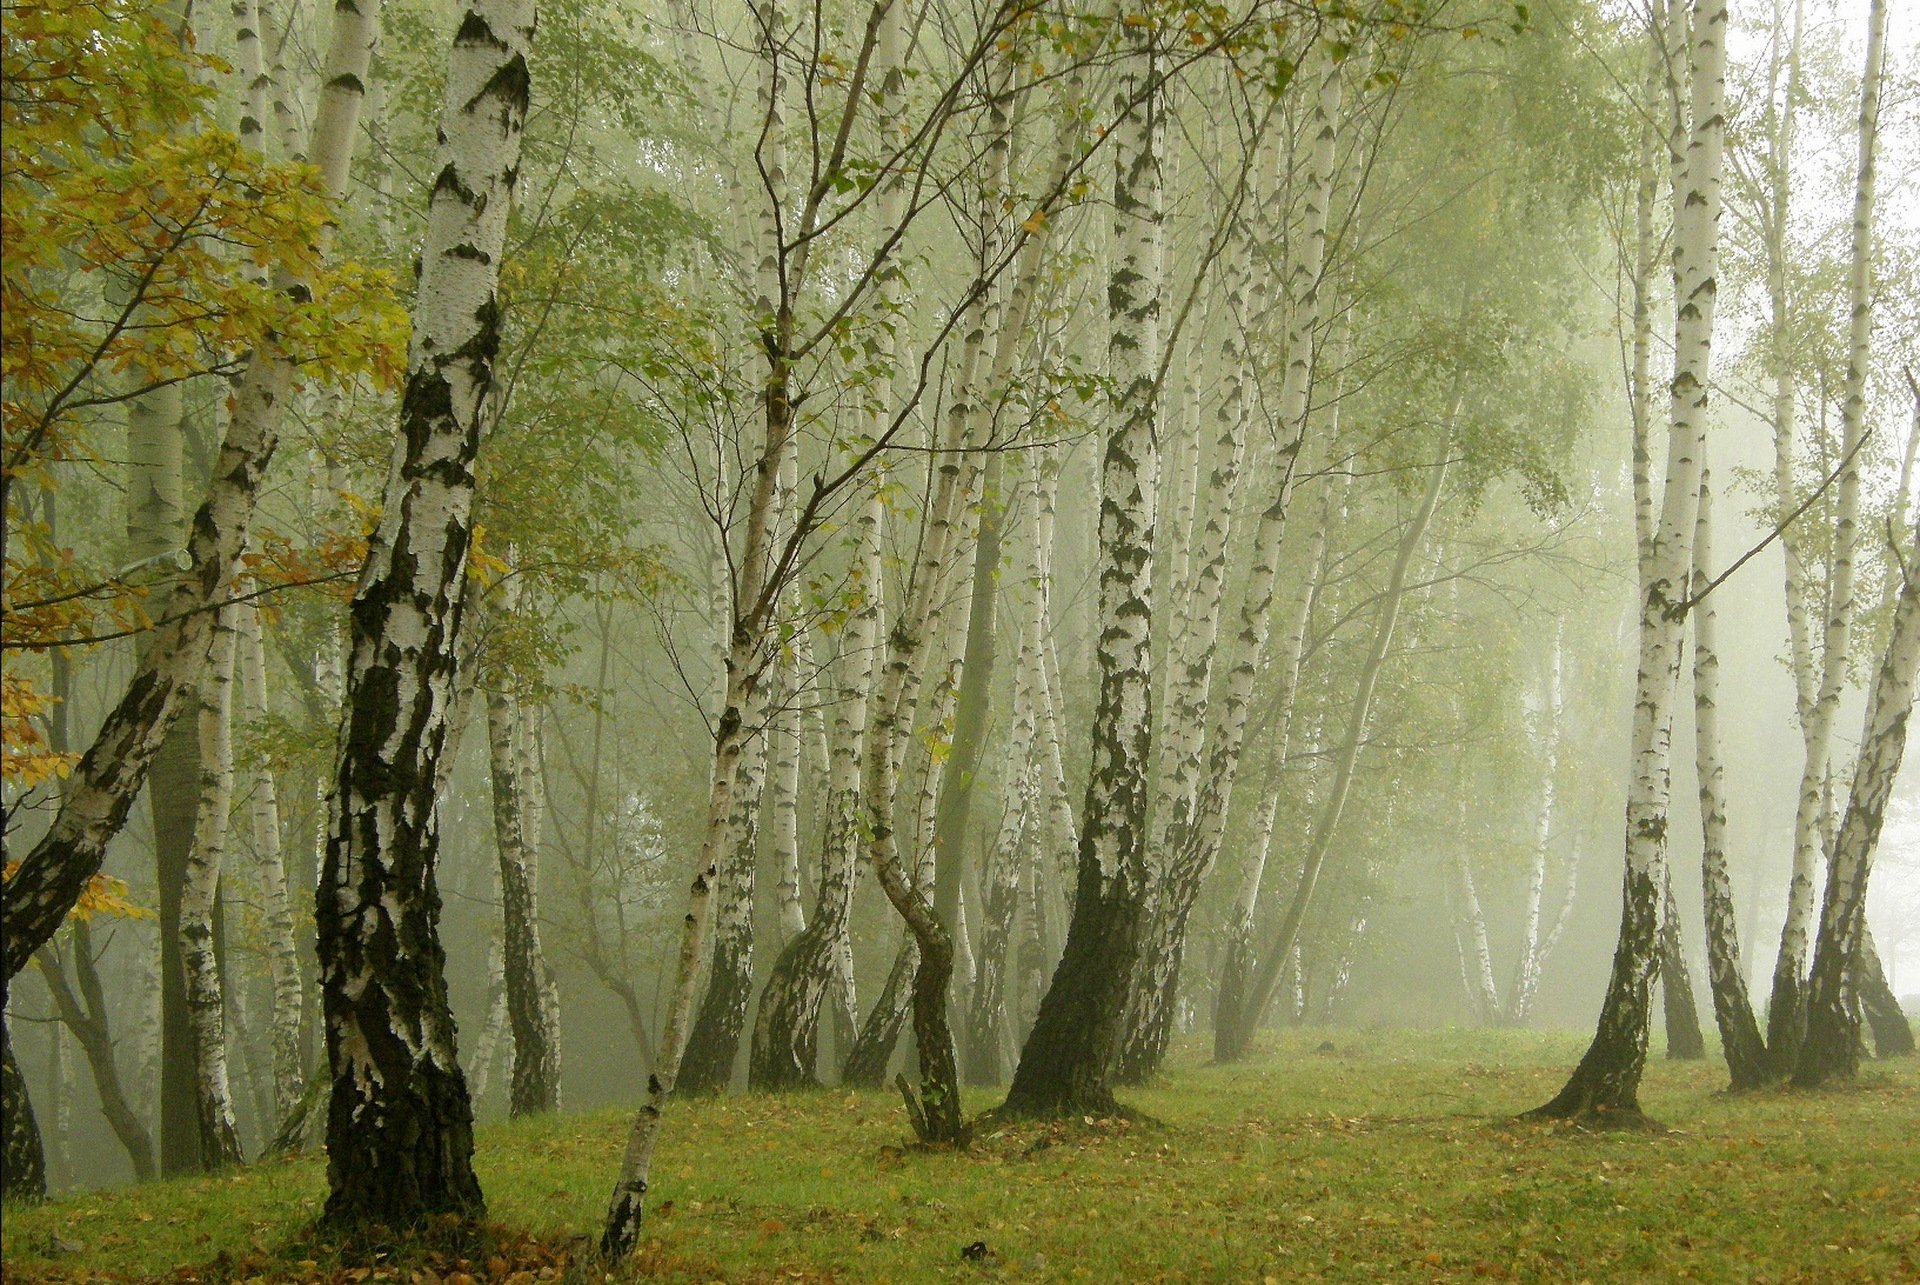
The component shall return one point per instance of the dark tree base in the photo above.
(707, 1065)
(786, 1031)
(1786, 1023)
(23, 1163)
(866, 1064)
(1606, 1084)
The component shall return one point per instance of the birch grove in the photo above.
(1041, 546)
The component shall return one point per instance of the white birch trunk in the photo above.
(1831, 1048)
(1608, 1076)
(399, 1127)
(270, 875)
(1740, 1041)
(199, 896)
(1526, 983)
(1786, 1016)
(1066, 1062)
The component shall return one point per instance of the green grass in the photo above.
(1392, 1158)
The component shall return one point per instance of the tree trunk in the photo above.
(1740, 1040)
(1000, 899)
(23, 1162)
(263, 816)
(1892, 1034)
(219, 1141)
(85, 1015)
(1065, 1066)
(1684, 1040)
(512, 744)
(748, 658)
(399, 1123)
(1831, 1049)
(1607, 1080)
(714, 1042)
(1533, 948)
(1239, 956)
(1196, 827)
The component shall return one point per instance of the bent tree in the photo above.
(399, 1122)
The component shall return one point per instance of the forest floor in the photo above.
(1392, 1156)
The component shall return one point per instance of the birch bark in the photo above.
(1608, 1077)
(1831, 1024)
(1831, 1048)
(213, 1094)
(1065, 1066)
(400, 1123)
(527, 980)
(263, 816)
(1740, 1041)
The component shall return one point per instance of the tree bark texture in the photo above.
(1607, 1079)
(399, 1122)
(532, 1014)
(1685, 1043)
(1831, 1048)
(270, 877)
(1066, 1063)
(23, 1160)
(219, 1141)
(1741, 1044)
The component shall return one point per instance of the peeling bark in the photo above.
(399, 1121)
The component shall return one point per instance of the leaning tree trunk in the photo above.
(213, 1096)
(399, 1122)
(534, 1081)
(1607, 1079)
(1892, 1033)
(85, 1015)
(1239, 953)
(1831, 1049)
(748, 657)
(1266, 974)
(1740, 1041)
(714, 1041)
(1065, 1066)
(1684, 1040)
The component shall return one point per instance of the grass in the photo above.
(1392, 1157)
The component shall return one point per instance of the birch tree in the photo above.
(400, 1124)
(1065, 1064)
(1607, 1079)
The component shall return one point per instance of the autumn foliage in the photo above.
(144, 247)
